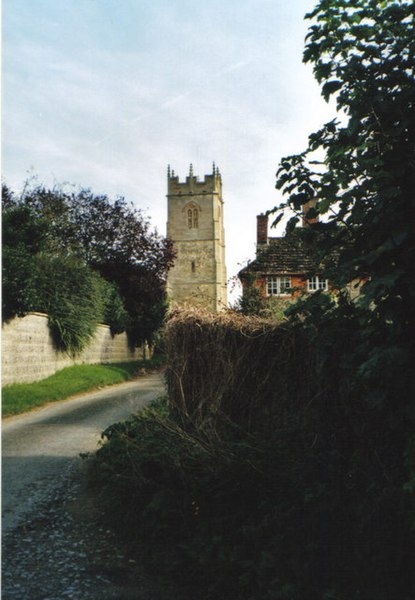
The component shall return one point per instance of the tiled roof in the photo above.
(282, 255)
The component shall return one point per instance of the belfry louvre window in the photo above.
(278, 286)
(317, 283)
(193, 218)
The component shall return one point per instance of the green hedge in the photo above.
(308, 500)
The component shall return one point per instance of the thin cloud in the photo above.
(180, 97)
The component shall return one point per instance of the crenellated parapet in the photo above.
(211, 184)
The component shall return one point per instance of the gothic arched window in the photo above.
(192, 218)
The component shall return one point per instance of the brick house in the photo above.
(283, 267)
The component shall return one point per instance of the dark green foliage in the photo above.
(100, 230)
(115, 239)
(251, 302)
(110, 237)
(23, 236)
(360, 171)
(71, 295)
(7, 197)
(19, 294)
(144, 298)
(114, 312)
(304, 502)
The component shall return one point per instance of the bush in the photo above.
(245, 517)
(19, 294)
(23, 237)
(70, 293)
(114, 312)
(278, 500)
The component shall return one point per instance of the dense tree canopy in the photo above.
(23, 236)
(359, 172)
(360, 167)
(79, 228)
(99, 230)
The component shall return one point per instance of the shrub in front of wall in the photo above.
(71, 294)
(114, 312)
(19, 294)
(23, 236)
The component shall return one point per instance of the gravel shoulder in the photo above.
(63, 552)
(38, 447)
(53, 546)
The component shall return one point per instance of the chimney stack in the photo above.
(307, 221)
(262, 229)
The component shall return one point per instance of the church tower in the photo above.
(195, 225)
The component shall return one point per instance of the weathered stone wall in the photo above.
(28, 353)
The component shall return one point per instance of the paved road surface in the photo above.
(39, 448)
(54, 544)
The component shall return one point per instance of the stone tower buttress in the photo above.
(195, 225)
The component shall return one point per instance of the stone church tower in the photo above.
(195, 225)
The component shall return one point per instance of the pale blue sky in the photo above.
(105, 93)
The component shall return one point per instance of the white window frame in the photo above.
(316, 283)
(278, 285)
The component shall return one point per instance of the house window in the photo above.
(193, 218)
(193, 266)
(317, 283)
(278, 286)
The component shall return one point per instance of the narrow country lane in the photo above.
(50, 551)
(38, 447)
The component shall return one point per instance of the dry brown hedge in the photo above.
(255, 372)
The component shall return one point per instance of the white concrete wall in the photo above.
(28, 353)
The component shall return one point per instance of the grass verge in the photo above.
(22, 397)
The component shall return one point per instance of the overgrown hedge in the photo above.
(269, 474)
(252, 371)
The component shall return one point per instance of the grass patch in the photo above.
(22, 397)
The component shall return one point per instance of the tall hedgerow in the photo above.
(23, 237)
(120, 262)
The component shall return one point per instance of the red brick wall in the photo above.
(262, 229)
(296, 281)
